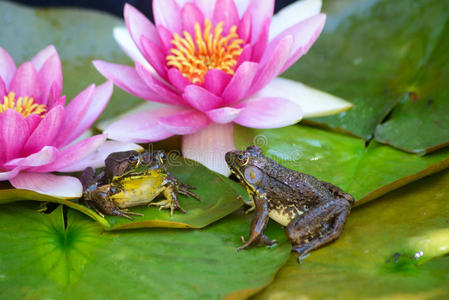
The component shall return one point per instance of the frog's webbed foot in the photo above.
(261, 240)
(125, 214)
(170, 202)
(184, 189)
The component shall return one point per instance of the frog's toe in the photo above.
(266, 241)
(189, 193)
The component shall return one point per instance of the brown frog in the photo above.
(131, 179)
(314, 212)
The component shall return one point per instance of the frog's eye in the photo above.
(253, 175)
(133, 159)
(243, 160)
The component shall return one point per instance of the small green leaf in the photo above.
(218, 199)
(393, 248)
(366, 173)
(43, 257)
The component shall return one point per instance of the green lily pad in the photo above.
(373, 53)
(79, 36)
(393, 248)
(366, 173)
(68, 256)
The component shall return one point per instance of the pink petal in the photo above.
(3, 91)
(127, 79)
(44, 156)
(46, 131)
(142, 127)
(207, 7)
(261, 11)
(200, 98)
(242, 6)
(50, 76)
(209, 146)
(7, 67)
(100, 99)
(246, 55)
(186, 122)
(74, 113)
(271, 64)
(240, 82)
(175, 77)
(292, 14)
(223, 115)
(305, 34)
(96, 158)
(33, 120)
(49, 184)
(268, 113)
(73, 153)
(314, 103)
(166, 37)
(225, 11)
(190, 15)
(167, 13)
(55, 97)
(138, 26)
(216, 80)
(8, 175)
(260, 45)
(41, 58)
(158, 86)
(155, 56)
(244, 29)
(123, 38)
(13, 134)
(26, 82)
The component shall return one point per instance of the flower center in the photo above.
(209, 50)
(23, 105)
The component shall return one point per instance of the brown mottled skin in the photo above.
(132, 178)
(313, 212)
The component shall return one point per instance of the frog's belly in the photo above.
(138, 192)
(285, 215)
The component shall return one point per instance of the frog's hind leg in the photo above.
(170, 202)
(313, 229)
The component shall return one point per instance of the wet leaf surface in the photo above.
(366, 173)
(393, 248)
(373, 53)
(66, 255)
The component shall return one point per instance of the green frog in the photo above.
(313, 212)
(133, 178)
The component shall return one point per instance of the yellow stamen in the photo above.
(209, 50)
(23, 105)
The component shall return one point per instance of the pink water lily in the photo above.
(212, 63)
(40, 134)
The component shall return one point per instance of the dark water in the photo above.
(112, 6)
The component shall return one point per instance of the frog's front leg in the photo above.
(171, 202)
(259, 222)
(317, 227)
